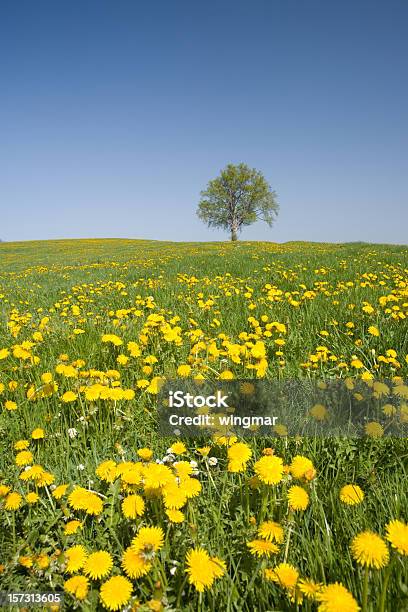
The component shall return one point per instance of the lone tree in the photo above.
(239, 196)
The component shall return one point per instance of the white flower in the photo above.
(173, 570)
(80, 467)
(212, 461)
(72, 432)
(193, 463)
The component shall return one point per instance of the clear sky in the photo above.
(114, 115)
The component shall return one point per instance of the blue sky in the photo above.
(114, 115)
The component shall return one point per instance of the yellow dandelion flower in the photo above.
(107, 471)
(133, 506)
(42, 561)
(192, 487)
(93, 504)
(72, 527)
(226, 375)
(178, 448)
(155, 385)
(238, 456)
(44, 479)
(389, 410)
(134, 564)
(131, 473)
(309, 588)
(397, 535)
(281, 430)
(351, 494)
(145, 454)
(148, 541)
(82, 499)
(380, 389)
(122, 359)
(247, 388)
(21, 445)
(13, 501)
(26, 561)
(68, 397)
(116, 592)
(24, 458)
(284, 574)
(75, 558)
(77, 586)
(174, 496)
(370, 550)
(93, 392)
(34, 472)
(183, 469)
(113, 339)
(374, 429)
(4, 489)
(262, 548)
(319, 412)
(98, 564)
(357, 363)
(271, 531)
(184, 370)
(301, 466)
(225, 440)
(219, 567)
(202, 569)
(298, 498)
(175, 516)
(335, 597)
(60, 491)
(155, 605)
(157, 475)
(38, 434)
(10, 405)
(269, 469)
(32, 497)
(401, 391)
(403, 413)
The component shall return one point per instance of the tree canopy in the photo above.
(239, 196)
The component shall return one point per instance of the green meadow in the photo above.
(88, 331)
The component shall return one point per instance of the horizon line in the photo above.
(227, 241)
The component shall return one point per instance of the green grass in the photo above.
(308, 287)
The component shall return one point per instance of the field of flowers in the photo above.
(96, 504)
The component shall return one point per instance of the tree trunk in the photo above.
(234, 235)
